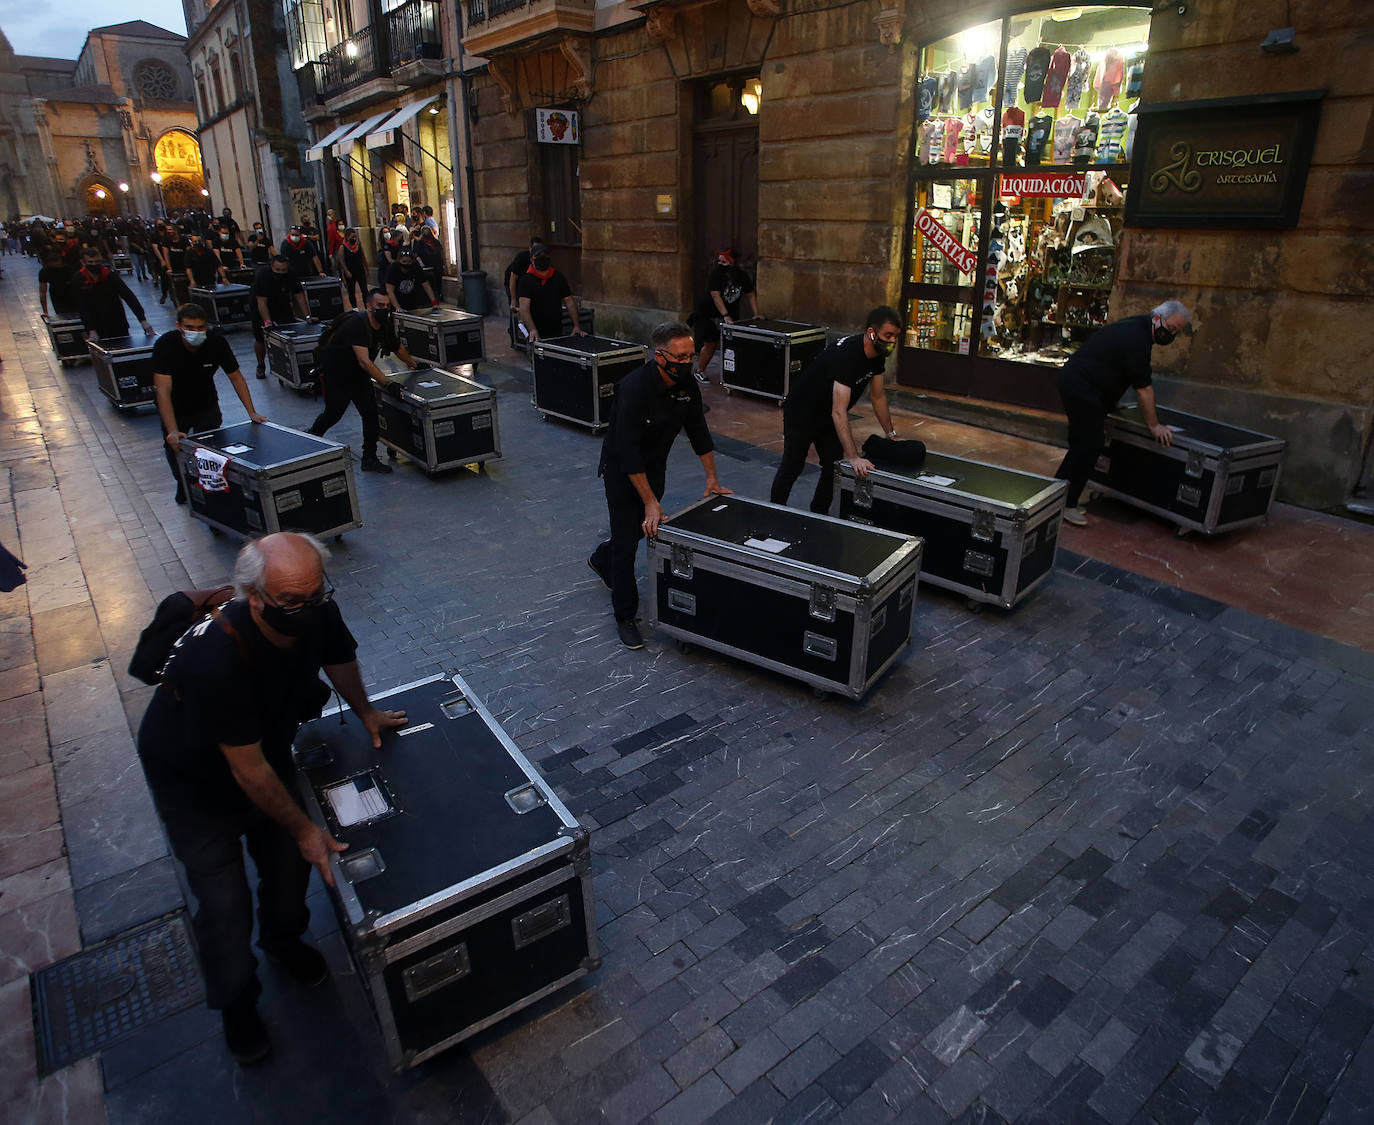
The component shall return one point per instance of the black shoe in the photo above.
(629, 634)
(373, 465)
(701, 377)
(261, 373)
(304, 962)
(181, 495)
(245, 1034)
(605, 578)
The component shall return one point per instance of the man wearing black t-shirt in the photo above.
(301, 254)
(727, 287)
(55, 281)
(1092, 382)
(817, 409)
(543, 293)
(203, 265)
(215, 745)
(347, 371)
(278, 296)
(407, 283)
(184, 364)
(652, 405)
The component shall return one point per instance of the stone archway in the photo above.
(99, 196)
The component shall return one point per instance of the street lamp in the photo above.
(156, 177)
(124, 191)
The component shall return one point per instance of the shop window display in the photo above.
(1036, 112)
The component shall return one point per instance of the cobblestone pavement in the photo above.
(1101, 859)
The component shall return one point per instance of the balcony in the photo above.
(312, 102)
(416, 43)
(357, 70)
(495, 26)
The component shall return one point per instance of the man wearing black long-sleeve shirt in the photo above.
(100, 295)
(652, 404)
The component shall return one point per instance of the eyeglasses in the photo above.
(677, 357)
(324, 597)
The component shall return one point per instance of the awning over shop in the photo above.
(359, 129)
(384, 134)
(316, 151)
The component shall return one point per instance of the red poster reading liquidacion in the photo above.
(1066, 185)
(962, 257)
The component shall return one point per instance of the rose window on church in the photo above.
(156, 81)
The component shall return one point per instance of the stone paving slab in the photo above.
(1098, 858)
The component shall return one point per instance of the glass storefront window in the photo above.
(1033, 114)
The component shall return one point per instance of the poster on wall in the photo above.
(1224, 162)
(303, 204)
(557, 126)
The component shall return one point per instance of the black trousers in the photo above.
(1087, 435)
(210, 847)
(616, 556)
(355, 290)
(339, 390)
(191, 422)
(798, 436)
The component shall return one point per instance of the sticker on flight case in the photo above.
(771, 545)
(727, 361)
(235, 450)
(429, 383)
(414, 730)
(210, 469)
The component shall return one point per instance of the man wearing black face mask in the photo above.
(278, 297)
(652, 404)
(347, 372)
(1092, 382)
(543, 293)
(215, 744)
(100, 295)
(817, 408)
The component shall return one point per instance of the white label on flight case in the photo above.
(727, 360)
(334, 486)
(935, 479)
(289, 500)
(771, 545)
(235, 450)
(481, 422)
(443, 429)
(128, 381)
(429, 383)
(353, 804)
(414, 730)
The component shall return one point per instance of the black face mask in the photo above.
(542, 262)
(382, 317)
(298, 623)
(883, 347)
(677, 369)
(1164, 335)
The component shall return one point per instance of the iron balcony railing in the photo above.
(477, 11)
(354, 61)
(413, 29)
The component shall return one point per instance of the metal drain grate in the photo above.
(106, 993)
(24, 334)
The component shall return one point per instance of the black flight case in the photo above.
(67, 335)
(442, 336)
(121, 263)
(763, 356)
(239, 275)
(575, 376)
(438, 419)
(228, 306)
(816, 598)
(586, 320)
(124, 370)
(465, 893)
(324, 295)
(291, 353)
(1214, 477)
(990, 533)
(275, 479)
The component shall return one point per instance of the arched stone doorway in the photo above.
(176, 156)
(99, 196)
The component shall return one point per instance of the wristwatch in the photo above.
(892, 433)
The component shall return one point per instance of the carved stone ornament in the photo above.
(577, 49)
(502, 69)
(889, 22)
(660, 25)
(765, 9)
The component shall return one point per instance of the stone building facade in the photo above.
(792, 130)
(249, 112)
(96, 128)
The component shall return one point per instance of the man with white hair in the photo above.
(215, 744)
(1092, 382)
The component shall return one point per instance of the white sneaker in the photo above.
(1076, 516)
